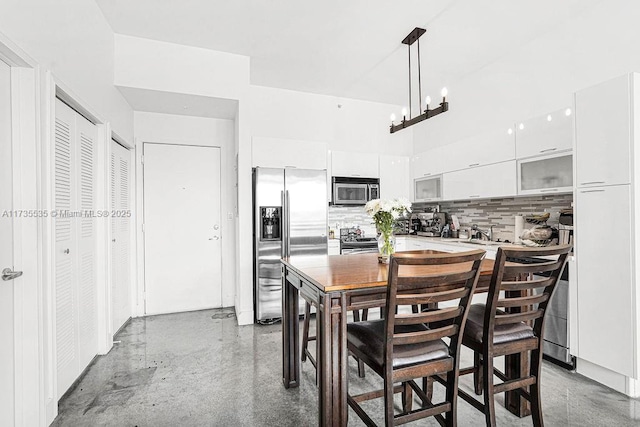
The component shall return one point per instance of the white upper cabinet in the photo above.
(480, 150)
(603, 134)
(394, 177)
(496, 180)
(429, 163)
(427, 189)
(546, 134)
(364, 165)
(288, 153)
(546, 174)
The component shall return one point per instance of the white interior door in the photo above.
(182, 228)
(7, 336)
(120, 176)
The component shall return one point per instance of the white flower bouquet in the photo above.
(384, 214)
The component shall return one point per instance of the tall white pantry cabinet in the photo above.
(607, 202)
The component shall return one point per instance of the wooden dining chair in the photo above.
(512, 324)
(401, 348)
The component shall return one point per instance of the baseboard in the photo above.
(607, 377)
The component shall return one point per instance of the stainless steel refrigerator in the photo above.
(290, 218)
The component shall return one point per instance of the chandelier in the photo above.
(428, 112)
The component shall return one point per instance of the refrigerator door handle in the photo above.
(283, 246)
(287, 223)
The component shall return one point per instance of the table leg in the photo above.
(332, 360)
(290, 334)
(516, 366)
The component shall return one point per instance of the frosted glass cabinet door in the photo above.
(428, 189)
(546, 174)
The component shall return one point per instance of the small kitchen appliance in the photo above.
(354, 191)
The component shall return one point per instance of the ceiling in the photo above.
(348, 48)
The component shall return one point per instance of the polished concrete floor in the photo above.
(201, 369)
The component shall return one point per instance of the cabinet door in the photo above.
(546, 134)
(605, 288)
(546, 174)
(363, 165)
(427, 189)
(497, 180)
(480, 150)
(394, 177)
(429, 163)
(288, 153)
(603, 126)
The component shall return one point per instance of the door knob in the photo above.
(8, 274)
(215, 227)
(66, 251)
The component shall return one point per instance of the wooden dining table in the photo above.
(338, 284)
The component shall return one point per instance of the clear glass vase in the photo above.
(386, 247)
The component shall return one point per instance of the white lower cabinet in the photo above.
(496, 180)
(334, 247)
(605, 299)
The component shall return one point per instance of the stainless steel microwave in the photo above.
(354, 191)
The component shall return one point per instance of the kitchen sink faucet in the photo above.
(488, 234)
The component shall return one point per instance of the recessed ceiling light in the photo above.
(567, 112)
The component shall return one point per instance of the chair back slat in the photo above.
(543, 267)
(508, 319)
(528, 287)
(425, 336)
(523, 285)
(428, 316)
(421, 278)
(414, 299)
(522, 301)
(442, 279)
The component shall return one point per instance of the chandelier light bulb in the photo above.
(521, 126)
(510, 131)
(404, 112)
(393, 117)
(549, 118)
(444, 92)
(567, 112)
(427, 101)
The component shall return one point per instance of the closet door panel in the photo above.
(120, 230)
(86, 236)
(66, 317)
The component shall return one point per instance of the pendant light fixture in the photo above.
(412, 37)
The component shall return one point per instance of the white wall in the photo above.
(344, 124)
(185, 130)
(540, 77)
(74, 41)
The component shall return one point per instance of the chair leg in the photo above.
(489, 401)
(388, 403)
(451, 417)
(534, 389)
(356, 318)
(305, 330)
(427, 386)
(407, 397)
(477, 373)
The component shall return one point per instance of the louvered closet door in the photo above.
(75, 244)
(120, 173)
(65, 248)
(86, 235)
